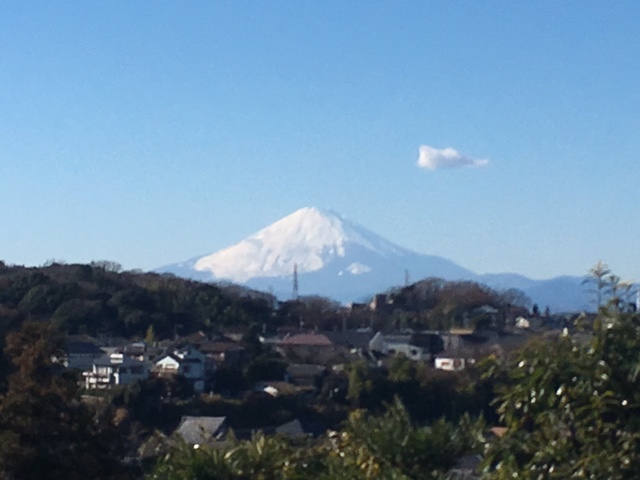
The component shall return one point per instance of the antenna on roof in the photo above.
(295, 282)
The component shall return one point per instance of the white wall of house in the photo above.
(119, 370)
(392, 346)
(452, 364)
(412, 352)
(168, 364)
(188, 362)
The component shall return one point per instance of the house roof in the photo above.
(275, 388)
(292, 429)
(467, 465)
(498, 431)
(305, 370)
(136, 348)
(109, 361)
(190, 360)
(83, 348)
(82, 337)
(461, 331)
(350, 338)
(402, 338)
(170, 356)
(458, 353)
(194, 338)
(220, 347)
(308, 339)
(199, 430)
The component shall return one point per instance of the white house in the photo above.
(187, 361)
(398, 344)
(522, 322)
(454, 361)
(114, 369)
(450, 363)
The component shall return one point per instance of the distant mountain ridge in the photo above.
(340, 259)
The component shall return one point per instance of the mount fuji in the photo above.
(340, 259)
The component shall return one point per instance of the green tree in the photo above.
(572, 409)
(599, 282)
(390, 446)
(385, 447)
(264, 368)
(359, 382)
(45, 431)
(401, 369)
(150, 336)
(260, 458)
(185, 462)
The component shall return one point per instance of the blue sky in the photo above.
(150, 132)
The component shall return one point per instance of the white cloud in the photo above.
(435, 158)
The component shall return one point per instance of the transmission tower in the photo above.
(295, 282)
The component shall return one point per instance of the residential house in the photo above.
(453, 360)
(198, 431)
(325, 347)
(462, 338)
(307, 347)
(351, 341)
(275, 388)
(80, 353)
(195, 339)
(222, 352)
(464, 348)
(292, 429)
(466, 468)
(137, 350)
(405, 344)
(306, 375)
(185, 361)
(381, 302)
(114, 369)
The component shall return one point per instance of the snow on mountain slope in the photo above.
(309, 238)
(339, 259)
(313, 240)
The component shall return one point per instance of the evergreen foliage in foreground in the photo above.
(571, 407)
(45, 430)
(382, 447)
(570, 404)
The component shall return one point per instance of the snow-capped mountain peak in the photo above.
(309, 238)
(339, 259)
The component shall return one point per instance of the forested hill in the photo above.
(99, 299)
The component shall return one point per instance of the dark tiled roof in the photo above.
(401, 338)
(107, 361)
(200, 430)
(292, 429)
(219, 347)
(83, 348)
(308, 340)
(305, 370)
(351, 339)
